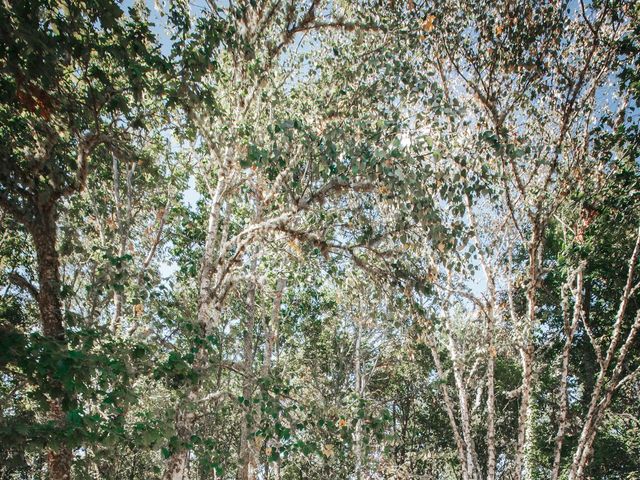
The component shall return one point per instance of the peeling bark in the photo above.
(607, 384)
(527, 355)
(570, 330)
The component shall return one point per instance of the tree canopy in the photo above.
(279, 239)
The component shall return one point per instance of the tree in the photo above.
(71, 94)
(281, 240)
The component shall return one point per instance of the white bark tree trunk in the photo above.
(525, 420)
(570, 329)
(606, 384)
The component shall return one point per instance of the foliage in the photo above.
(319, 239)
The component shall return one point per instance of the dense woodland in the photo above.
(319, 239)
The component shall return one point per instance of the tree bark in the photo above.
(606, 385)
(450, 409)
(43, 231)
(208, 317)
(527, 353)
(491, 349)
(463, 406)
(570, 330)
(271, 327)
(491, 398)
(360, 391)
(247, 467)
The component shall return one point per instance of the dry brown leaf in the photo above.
(327, 450)
(427, 24)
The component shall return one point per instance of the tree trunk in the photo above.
(606, 385)
(176, 466)
(491, 349)
(465, 417)
(247, 463)
(527, 354)
(208, 317)
(450, 409)
(570, 330)
(271, 327)
(491, 398)
(360, 391)
(43, 232)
